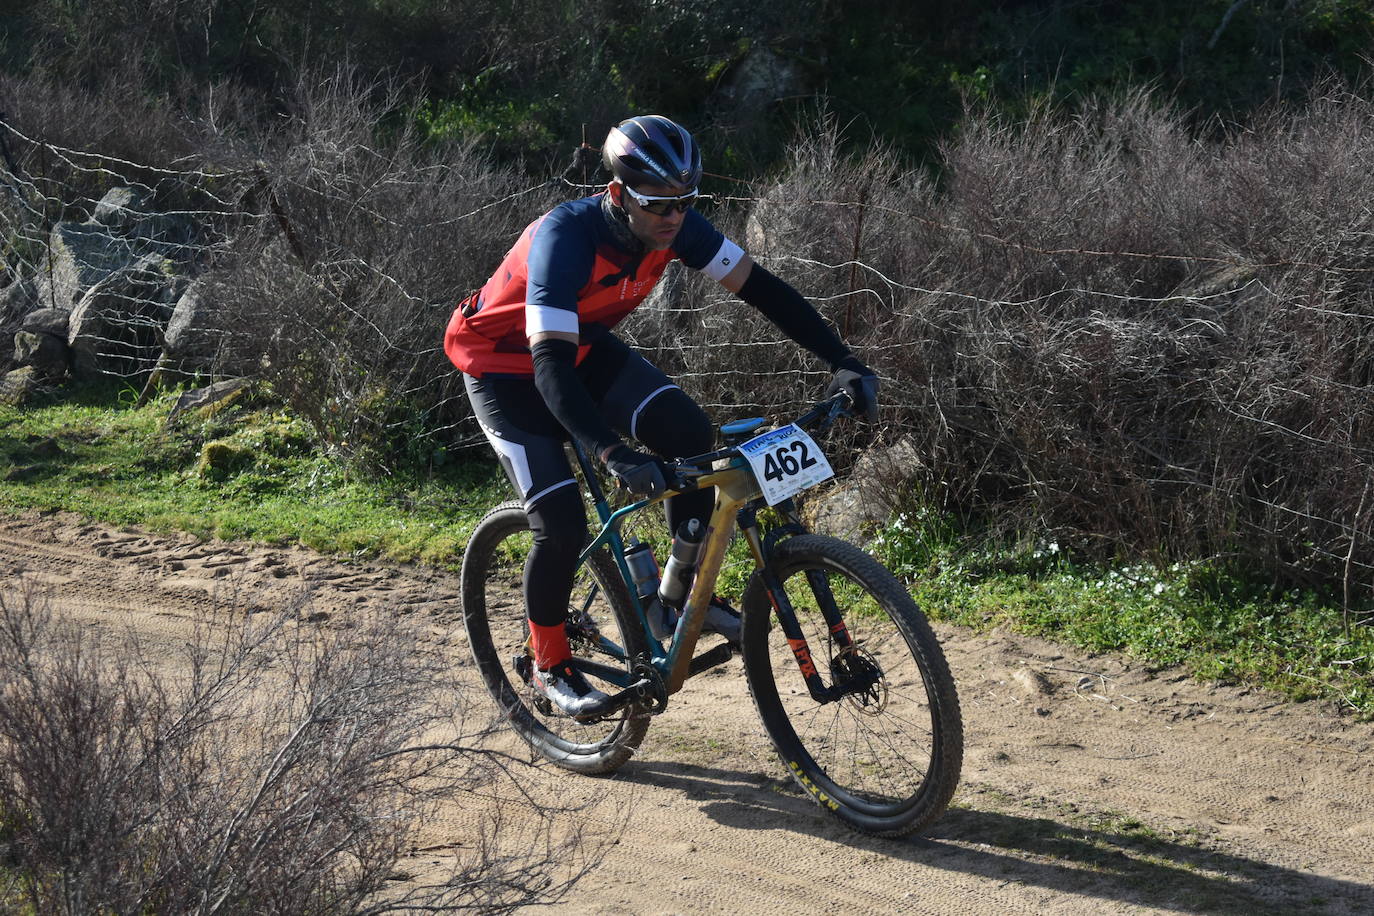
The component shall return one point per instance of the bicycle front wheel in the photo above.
(603, 630)
(882, 749)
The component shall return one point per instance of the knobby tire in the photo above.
(886, 759)
(498, 632)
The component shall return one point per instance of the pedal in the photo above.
(524, 669)
(717, 655)
(616, 702)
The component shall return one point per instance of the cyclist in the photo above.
(540, 363)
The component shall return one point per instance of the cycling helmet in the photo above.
(652, 150)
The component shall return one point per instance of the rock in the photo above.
(208, 399)
(82, 255)
(754, 84)
(19, 386)
(124, 207)
(867, 499)
(46, 353)
(170, 234)
(129, 212)
(46, 321)
(17, 300)
(769, 227)
(1226, 279)
(116, 328)
(1031, 683)
(887, 467)
(191, 333)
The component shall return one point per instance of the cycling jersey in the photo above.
(567, 273)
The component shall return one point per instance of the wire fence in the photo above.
(104, 249)
(1124, 395)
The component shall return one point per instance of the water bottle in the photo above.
(644, 572)
(643, 567)
(682, 564)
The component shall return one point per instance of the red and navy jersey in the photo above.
(567, 273)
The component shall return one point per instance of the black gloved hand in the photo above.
(636, 471)
(860, 383)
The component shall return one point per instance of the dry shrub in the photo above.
(1166, 360)
(1098, 326)
(340, 298)
(278, 766)
(83, 140)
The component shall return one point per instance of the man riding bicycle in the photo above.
(540, 363)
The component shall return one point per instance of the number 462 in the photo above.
(781, 463)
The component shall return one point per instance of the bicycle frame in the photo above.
(734, 486)
(878, 742)
(735, 492)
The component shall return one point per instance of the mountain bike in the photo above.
(846, 674)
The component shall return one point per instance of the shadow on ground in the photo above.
(1110, 856)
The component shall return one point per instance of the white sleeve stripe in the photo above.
(724, 260)
(546, 318)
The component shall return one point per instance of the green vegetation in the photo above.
(1217, 623)
(528, 74)
(249, 472)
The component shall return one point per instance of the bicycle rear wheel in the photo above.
(884, 755)
(602, 628)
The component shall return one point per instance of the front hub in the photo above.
(856, 676)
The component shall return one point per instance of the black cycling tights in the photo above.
(673, 426)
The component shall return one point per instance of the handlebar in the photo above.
(825, 412)
(820, 416)
(682, 473)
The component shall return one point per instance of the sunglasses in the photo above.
(662, 206)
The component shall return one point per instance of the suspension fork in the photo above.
(782, 606)
(820, 586)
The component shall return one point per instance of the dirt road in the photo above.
(1090, 786)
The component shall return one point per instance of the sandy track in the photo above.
(1089, 786)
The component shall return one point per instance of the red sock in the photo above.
(550, 645)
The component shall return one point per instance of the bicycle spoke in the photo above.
(882, 749)
(494, 611)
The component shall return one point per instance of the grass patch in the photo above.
(250, 472)
(1215, 622)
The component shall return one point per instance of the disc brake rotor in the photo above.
(859, 676)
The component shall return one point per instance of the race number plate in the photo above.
(785, 462)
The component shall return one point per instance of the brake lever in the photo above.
(842, 405)
(838, 405)
(684, 476)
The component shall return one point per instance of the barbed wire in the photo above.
(691, 330)
(68, 156)
(1035, 249)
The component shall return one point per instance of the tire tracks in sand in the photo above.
(1090, 786)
